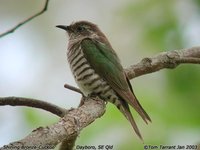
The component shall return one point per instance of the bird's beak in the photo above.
(66, 28)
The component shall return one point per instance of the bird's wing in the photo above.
(105, 62)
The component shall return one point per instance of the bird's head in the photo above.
(82, 29)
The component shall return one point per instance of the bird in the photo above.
(98, 71)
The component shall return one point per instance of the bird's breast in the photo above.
(87, 79)
(84, 75)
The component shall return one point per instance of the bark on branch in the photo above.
(169, 60)
(30, 102)
(66, 129)
(75, 120)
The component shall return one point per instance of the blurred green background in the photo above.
(33, 64)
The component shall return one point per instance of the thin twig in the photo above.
(26, 20)
(20, 101)
(67, 86)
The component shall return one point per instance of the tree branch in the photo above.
(169, 59)
(26, 20)
(20, 101)
(68, 128)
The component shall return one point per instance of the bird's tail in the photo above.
(137, 106)
(132, 100)
(124, 108)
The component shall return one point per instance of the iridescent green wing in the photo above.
(105, 62)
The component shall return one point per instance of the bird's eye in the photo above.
(80, 28)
